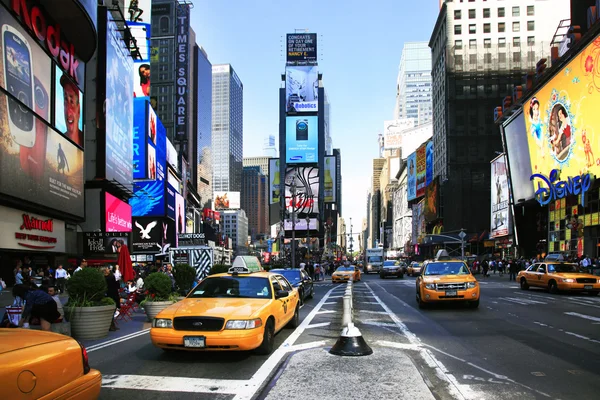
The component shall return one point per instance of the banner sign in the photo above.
(30, 232)
(411, 184)
(181, 70)
(104, 242)
(191, 239)
(500, 218)
(421, 171)
(393, 131)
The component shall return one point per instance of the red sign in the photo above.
(118, 214)
(31, 223)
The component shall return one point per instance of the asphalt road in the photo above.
(517, 345)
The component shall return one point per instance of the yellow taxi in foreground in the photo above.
(345, 272)
(45, 365)
(239, 310)
(444, 280)
(558, 276)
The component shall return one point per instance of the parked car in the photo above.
(299, 280)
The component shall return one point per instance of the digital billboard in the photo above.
(430, 211)
(179, 216)
(171, 202)
(274, 181)
(117, 214)
(104, 242)
(429, 163)
(118, 106)
(411, 180)
(329, 179)
(152, 235)
(172, 156)
(68, 113)
(301, 48)
(138, 14)
(421, 170)
(141, 79)
(306, 180)
(300, 224)
(140, 120)
(302, 139)
(517, 147)
(393, 131)
(301, 89)
(562, 119)
(500, 215)
(227, 200)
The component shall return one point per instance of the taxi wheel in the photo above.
(553, 287)
(474, 304)
(524, 285)
(422, 304)
(295, 321)
(266, 347)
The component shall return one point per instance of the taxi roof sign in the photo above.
(245, 265)
(442, 254)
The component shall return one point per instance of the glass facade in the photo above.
(413, 98)
(204, 126)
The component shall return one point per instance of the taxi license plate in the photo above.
(588, 287)
(451, 293)
(194, 341)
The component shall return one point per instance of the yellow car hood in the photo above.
(574, 275)
(448, 278)
(216, 307)
(342, 273)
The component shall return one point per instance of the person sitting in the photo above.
(38, 304)
(54, 294)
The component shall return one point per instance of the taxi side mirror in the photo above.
(281, 294)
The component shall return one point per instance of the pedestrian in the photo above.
(485, 267)
(38, 304)
(512, 267)
(117, 274)
(60, 276)
(19, 276)
(54, 295)
(112, 291)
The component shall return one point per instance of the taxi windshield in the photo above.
(446, 268)
(342, 269)
(563, 268)
(233, 286)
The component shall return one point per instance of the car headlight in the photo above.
(471, 285)
(430, 286)
(568, 280)
(369, 266)
(162, 323)
(243, 323)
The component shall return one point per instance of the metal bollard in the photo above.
(347, 314)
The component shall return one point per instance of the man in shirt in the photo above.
(61, 277)
(81, 266)
(54, 295)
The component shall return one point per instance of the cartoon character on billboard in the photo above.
(536, 124)
(560, 132)
(587, 148)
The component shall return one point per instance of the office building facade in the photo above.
(255, 201)
(203, 125)
(235, 226)
(413, 86)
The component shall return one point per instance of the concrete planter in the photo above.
(179, 298)
(90, 322)
(152, 308)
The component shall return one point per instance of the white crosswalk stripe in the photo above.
(522, 301)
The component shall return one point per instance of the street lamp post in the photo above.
(293, 222)
(308, 235)
(461, 235)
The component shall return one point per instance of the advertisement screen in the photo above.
(104, 242)
(421, 170)
(431, 201)
(300, 224)
(306, 198)
(500, 218)
(48, 171)
(301, 47)
(152, 235)
(68, 113)
(171, 202)
(562, 119)
(393, 131)
(151, 162)
(274, 181)
(117, 214)
(411, 181)
(429, 163)
(118, 107)
(301, 89)
(515, 137)
(141, 79)
(180, 215)
(301, 139)
(329, 180)
(172, 156)
(140, 162)
(227, 200)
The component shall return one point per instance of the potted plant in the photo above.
(185, 276)
(159, 294)
(88, 310)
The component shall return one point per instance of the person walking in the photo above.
(112, 291)
(60, 277)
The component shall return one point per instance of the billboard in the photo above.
(411, 180)
(300, 224)
(329, 179)
(140, 120)
(301, 139)
(227, 200)
(429, 163)
(30, 232)
(172, 156)
(306, 199)
(117, 214)
(104, 242)
(152, 235)
(393, 131)
(118, 106)
(301, 48)
(562, 119)
(181, 70)
(68, 112)
(430, 210)
(179, 215)
(500, 217)
(421, 170)
(301, 89)
(138, 14)
(515, 139)
(274, 181)
(171, 202)
(141, 79)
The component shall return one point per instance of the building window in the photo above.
(487, 28)
(457, 14)
(517, 56)
(531, 41)
(457, 29)
(501, 42)
(473, 43)
(458, 44)
(473, 59)
(487, 43)
(517, 42)
(502, 58)
(516, 11)
(530, 25)
(487, 58)
(501, 27)
(472, 28)
(530, 11)
(486, 13)
(516, 26)
(501, 12)
(472, 14)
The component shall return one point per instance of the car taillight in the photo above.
(84, 356)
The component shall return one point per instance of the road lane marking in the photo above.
(373, 312)
(326, 312)
(320, 325)
(542, 324)
(584, 316)
(306, 346)
(582, 337)
(402, 346)
(173, 384)
(117, 340)
(379, 323)
(524, 302)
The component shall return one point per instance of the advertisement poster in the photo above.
(500, 217)
(180, 215)
(151, 163)
(118, 107)
(274, 181)
(104, 242)
(140, 161)
(227, 200)
(417, 212)
(329, 180)
(421, 169)
(300, 224)
(562, 119)
(306, 199)
(68, 115)
(301, 89)
(138, 15)
(393, 131)
(171, 202)
(411, 180)
(152, 235)
(117, 214)
(301, 48)
(431, 201)
(429, 163)
(302, 139)
(518, 150)
(31, 232)
(172, 156)
(182, 61)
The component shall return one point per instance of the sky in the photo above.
(359, 45)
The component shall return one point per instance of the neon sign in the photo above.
(556, 189)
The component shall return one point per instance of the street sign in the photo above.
(462, 235)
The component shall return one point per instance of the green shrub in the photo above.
(158, 287)
(218, 269)
(107, 301)
(185, 275)
(86, 288)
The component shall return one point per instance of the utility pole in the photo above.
(308, 235)
(462, 235)
(293, 222)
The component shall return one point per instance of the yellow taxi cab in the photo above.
(242, 309)
(345, 272)
(558, 276)
(446, 280)
(414, 268)
(45, 365)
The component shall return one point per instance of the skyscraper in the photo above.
(269, 148)
(413, 96)
(203, 125)
(227, 129)
(255, 200)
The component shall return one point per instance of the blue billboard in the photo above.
(429, 163)
(171, 202)
(411, 183)
(302, 139)
(139, 139)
